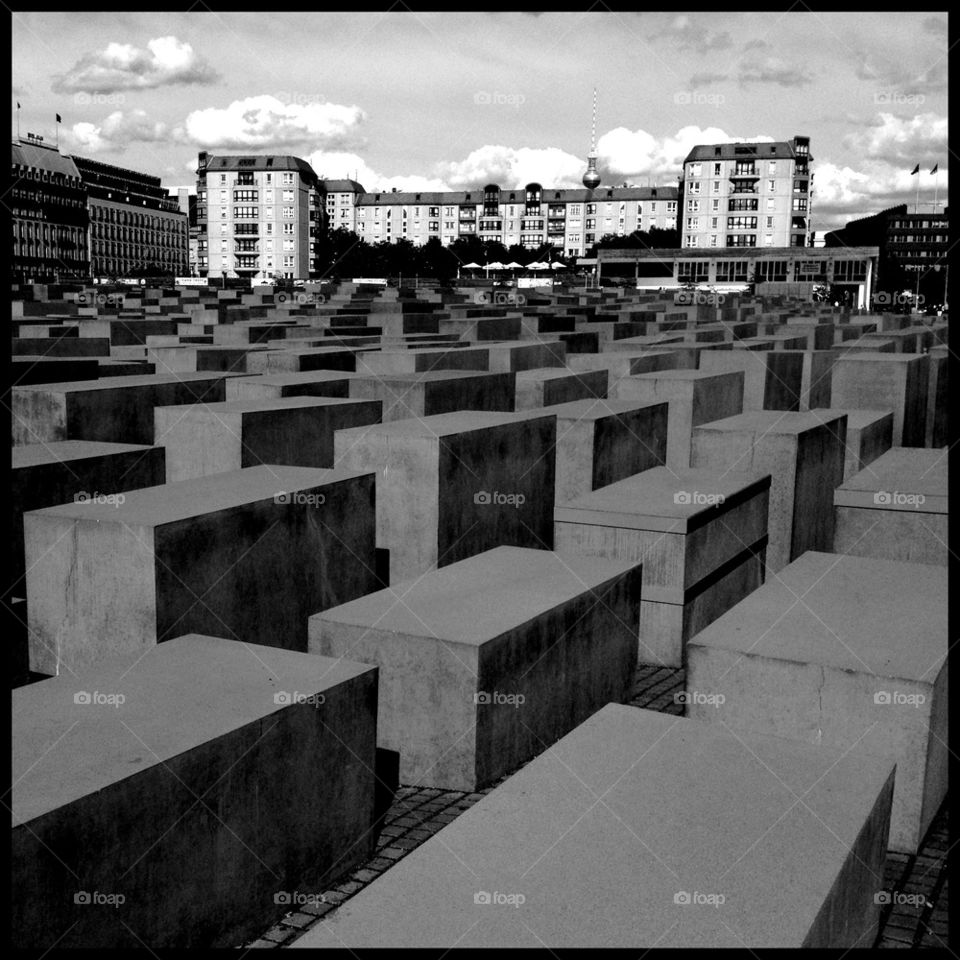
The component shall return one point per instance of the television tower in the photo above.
(591, 179)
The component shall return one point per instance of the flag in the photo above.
(934, 170)
(916, 169)
(58, 119)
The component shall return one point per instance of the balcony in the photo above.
(741, 187)
(745, 170)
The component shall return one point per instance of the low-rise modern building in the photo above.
(785, 270)
(257, 216)
(136, 229)
(48, 205)
(747, 195)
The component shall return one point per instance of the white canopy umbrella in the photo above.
(557, 265)
(513, 265)
(471, 266)
(538, 265)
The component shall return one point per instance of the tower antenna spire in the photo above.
(591, 179)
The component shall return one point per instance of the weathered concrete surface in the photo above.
(210, 438)
(197, 798)
(249, 555)
(623, 364)
(804, 455)
(517, 355)
(551, 386)
(420, 361)
(555, 635)
(897, 381)
(869, 435)
(937, 428)
(272, 386)
(700, 534)
(45, 474)
(116, 410)
(771, 378)
(602, 441)
(456, 484)
(695, 397)
(896, 508)
(431, 392)
(860, 661)
(641, 808)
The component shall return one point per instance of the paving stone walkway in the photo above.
(915, 887)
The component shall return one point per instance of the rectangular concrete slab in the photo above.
(248, 555)
(677, 834)
(432, 392)
(602, 441)
(869, 435)
(694, 396)
(487, 661)
(860, 660)
(886, 380)
(208, 438)
(701, 535)
(547, 387)
(804, 455)
(115, 410)
(196, 780)
(456, 484)
(771, 378)
(271, 386)
(896, 508)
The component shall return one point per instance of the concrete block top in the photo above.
(425, 376)
(135, 380)
(309, 376)
(858, 419)
(919, 476)
(61, 451)
(590, 409)
(556, 373)
(879, 617)
(449, 424)
(874, 356)
(687, 808)
(769, 422)
(516, 344)
(671, 501)
(227, 407)
(681, 374)
(478, 599)
(173, 502)
(176, 695)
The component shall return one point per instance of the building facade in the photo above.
(136, 229)
(789, 271)
(257, 216)
(48, 205)
(571, 220)
(747, 195)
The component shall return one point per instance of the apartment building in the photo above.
(747, 195)
(257, 216)
(571, 220)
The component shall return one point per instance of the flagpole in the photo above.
(936, 187)
(18, 119)
(916, 206)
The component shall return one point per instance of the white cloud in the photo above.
(333, 165)
(512, 167)
(902, 140)
(115, 132)
(266, 122)
(626, 153)
(122, 66)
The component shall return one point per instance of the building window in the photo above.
(288, 213)
(693, 206)
(718, 169)
(695, 169)
(694, 187)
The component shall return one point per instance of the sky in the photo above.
(454, 101)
